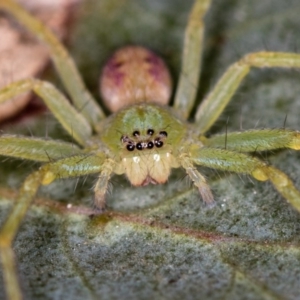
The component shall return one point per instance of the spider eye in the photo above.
(150, 145)
(130, 147)
(163, 133)
(139, 146)
(124, 139)
(136, 133)
(158, 143)
(150, 131)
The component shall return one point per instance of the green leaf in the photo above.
(161, 242)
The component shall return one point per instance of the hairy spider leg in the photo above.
(255, 140)
(226, 160)
(36, 149)
(100, 188)
(9, 231)
(63, 62)
(197, 178)
(191, 59)
(73, 122)
(73, 166)
(214, 104)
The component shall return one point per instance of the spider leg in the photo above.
(10, 229)
(36, 149)
(242, 163)
(102, 183)
(255, 140)
(191, 59)
(198, 179)
(74, 123)
(74, 166)
(63, 62)
(213, 105)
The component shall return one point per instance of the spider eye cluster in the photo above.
(140, 144)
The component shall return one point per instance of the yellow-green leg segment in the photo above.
(226, 160)
(77, 165)
(191, 59)
(10, 229)
(214, 104)
(73, 122)
(255, 140)
(36, 149)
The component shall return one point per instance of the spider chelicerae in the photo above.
(143, 138)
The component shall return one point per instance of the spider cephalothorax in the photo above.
(143, 143)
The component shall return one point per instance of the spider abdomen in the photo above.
(135, 74)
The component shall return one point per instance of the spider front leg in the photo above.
(74, 123)
(241, 163)
(77, 165)
(214, 104)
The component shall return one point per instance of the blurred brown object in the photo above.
(23, 56)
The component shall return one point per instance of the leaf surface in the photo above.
(161, 242)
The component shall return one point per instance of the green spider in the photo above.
(144, 139)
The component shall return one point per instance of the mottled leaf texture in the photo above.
(161, 242)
